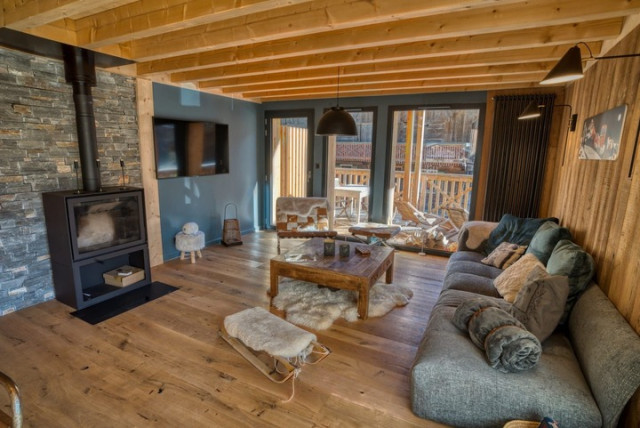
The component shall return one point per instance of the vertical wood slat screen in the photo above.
(517, 159)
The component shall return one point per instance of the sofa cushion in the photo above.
(608, 350)
(515, 230)
(504, 255)
(471, 256)
(470, 282)
(474, 268)
(540, 304)
(509, 282)
(545, 240)
(571, 260)
(455, 298)
(451, 382)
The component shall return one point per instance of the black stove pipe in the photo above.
(80, 71)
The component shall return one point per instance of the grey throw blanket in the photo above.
(508, 345)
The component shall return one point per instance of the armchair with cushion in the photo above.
(299, 217)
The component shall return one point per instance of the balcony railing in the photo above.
(436, 190)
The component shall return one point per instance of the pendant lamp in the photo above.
(337, 121)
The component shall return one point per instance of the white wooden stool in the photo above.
(190, 240)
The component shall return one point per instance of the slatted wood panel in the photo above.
(163, 364)
(598, 200)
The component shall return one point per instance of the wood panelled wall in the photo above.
(600, 200)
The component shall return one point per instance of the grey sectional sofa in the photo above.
(588, 370)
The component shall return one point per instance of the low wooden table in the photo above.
(357, 273)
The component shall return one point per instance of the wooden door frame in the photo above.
(309, 114)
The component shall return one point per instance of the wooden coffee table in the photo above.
(357, 273)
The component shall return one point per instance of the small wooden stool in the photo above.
(190, 240)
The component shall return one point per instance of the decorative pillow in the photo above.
(515, 230)
(571, 260)
(540, 303)
(545, 240)
(504, 255)
(509, 282)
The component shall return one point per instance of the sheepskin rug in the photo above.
(317, 307)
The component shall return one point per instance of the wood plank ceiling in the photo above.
(272, 50)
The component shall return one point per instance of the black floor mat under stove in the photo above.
(124, 302)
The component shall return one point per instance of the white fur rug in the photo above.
(316, 307)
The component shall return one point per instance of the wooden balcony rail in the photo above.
(436, 190)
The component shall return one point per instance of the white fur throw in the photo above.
(316, 307)
(262, 331)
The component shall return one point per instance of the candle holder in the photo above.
(345, 250)
(329, 247)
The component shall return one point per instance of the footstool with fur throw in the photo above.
(190, 240)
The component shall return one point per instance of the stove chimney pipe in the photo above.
(80, 71)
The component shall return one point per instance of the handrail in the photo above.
(436, 189)
(14, 395)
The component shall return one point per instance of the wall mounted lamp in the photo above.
(337, 121)
(569, 67)
(534, 110)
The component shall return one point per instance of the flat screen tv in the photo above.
(190, 148)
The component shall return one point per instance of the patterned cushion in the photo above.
(504, 255)
(302, 214)
(545, 240)
(509, 282)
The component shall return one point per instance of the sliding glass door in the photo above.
(433, 163)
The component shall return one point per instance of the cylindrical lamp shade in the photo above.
(337, 121)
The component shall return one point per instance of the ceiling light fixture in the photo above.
(569, 67)
(336, 120)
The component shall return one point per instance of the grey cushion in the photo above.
(540, 304)
(515, 230)
(475, 268)
(571, 260)
(545, 240)
(454, 298)
(451, 382)
(608, 350)
(460, 256)
(470, 282)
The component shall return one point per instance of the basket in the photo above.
(231, 228)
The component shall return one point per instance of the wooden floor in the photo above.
(163, 364)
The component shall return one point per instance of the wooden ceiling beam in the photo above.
(535, 37)
(263, 70)
(332, 81)
(465, 23)
(450, 88)
(23, 15)
(351, 90)
(150, 18)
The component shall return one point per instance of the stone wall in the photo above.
(38, 146)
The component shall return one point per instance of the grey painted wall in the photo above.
(383, 105)
(203, 199)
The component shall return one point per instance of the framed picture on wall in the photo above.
(601, 134)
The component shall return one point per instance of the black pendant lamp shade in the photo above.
(567, 69)
(337, 121)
